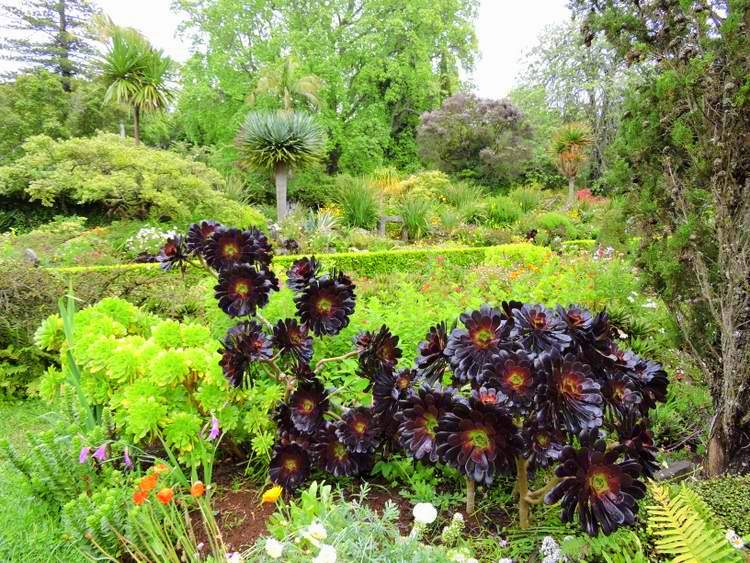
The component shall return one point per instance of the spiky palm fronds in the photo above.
(269, 139)
(569, 145)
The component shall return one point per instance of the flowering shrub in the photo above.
(528, 386)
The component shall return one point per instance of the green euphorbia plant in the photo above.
(508, 389)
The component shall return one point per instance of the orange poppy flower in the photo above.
(197, 489)
(165, 495)
(160, 468)
(139, 497)
(148, 482)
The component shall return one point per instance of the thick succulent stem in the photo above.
(522, 484)
(470, 494)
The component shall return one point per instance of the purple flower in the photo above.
(101, 453)
(214, 433)
(84, 455)
(128, 461)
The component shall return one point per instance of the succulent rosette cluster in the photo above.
(504, 389)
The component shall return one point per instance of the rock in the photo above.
(31, 256)
(676, 471)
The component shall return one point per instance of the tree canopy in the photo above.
(381, 62)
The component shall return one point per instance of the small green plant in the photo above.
(729, 499)
(502, 211)
(359, 202)
(459, 194)
(415, 213)
(685, 528)
(555, 225)
(623, 546)
(527, 198)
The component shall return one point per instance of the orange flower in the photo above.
(165, 495)
(139, 497)
(148, 482)
(197, 489)
(160, 468)
(272, 494)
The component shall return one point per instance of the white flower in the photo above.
(424, 513)
(734, 539)
(650, 304)
(234, 557)
(471, 560)
(458, 517)
(327, 554)
(505, 560)
(317, 531)
(274, 548)
(503, 543)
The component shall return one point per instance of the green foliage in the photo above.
(685, 529)
(430, 184)
(351, 527)
(682, 419)
(527, 198)
(96, 520)
(622, 546)
(359, 202)
(126, 180)
(415, 212)
(502, 211)
(728, 497)
(553, 225)
(269, 139)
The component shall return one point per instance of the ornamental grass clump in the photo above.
(505, 389)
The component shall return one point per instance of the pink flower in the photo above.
(128, 461)
(214, 433)
(84, 455)
(101, 453)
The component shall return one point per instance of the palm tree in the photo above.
(279, 141)
(569, 148)
(136, 74)
(283, 83)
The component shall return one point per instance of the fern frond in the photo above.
(682, 531)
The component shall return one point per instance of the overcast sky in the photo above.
(506, 28)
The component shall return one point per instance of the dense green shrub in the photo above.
(312, 187)
(553, 225)
(502, 211)
(121, 178)
(729, 498)
(359, 202)
(415, 212)
(527, 198)
(431, 184)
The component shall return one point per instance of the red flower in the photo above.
(165, 495)
(139, 497)
(148, 482)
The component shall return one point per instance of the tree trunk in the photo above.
(282, 175)
(571, 192)
(62, 42)
(471, 488)
(137, 124)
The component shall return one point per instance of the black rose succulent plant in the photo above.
(293, 339)
(289, 467)
(301, 273)
(471, 348)
(419, 415)
(198, 234)
(326, 304)
(173, 254)
(242, 344)
(431, 359)
(242, 289)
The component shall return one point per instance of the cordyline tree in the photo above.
(684, 155)
(530, 387)
(570, 144)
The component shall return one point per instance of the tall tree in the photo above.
(382, 64)
(570, 145)
(283, 83)
(53, 34)
(279, 141)
(580, 83)
(136, 74)
(684, 155)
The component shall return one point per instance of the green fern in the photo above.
(683, 526)
(623, 546)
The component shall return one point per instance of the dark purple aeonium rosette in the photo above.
(243, 343)
(419, 415)
(620, 392)
(651, 381)
(301, 272)
(377, 350)
(228, 247)
(388, 388)
(543, 444)
(479, 440)
(307, 405)
(569, 399)
(262, 251)
(431, 359)
(326, 304)
(513, 373)
(602, 491)
(471, 348)
(539, 329)
(334, 456)
(359, 430)
(637, 441)
(242, 289)
(579, 322)
(173, 254)
(199, 233)
(293, 340)
(289, 467)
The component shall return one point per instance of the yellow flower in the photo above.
(272, 494)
